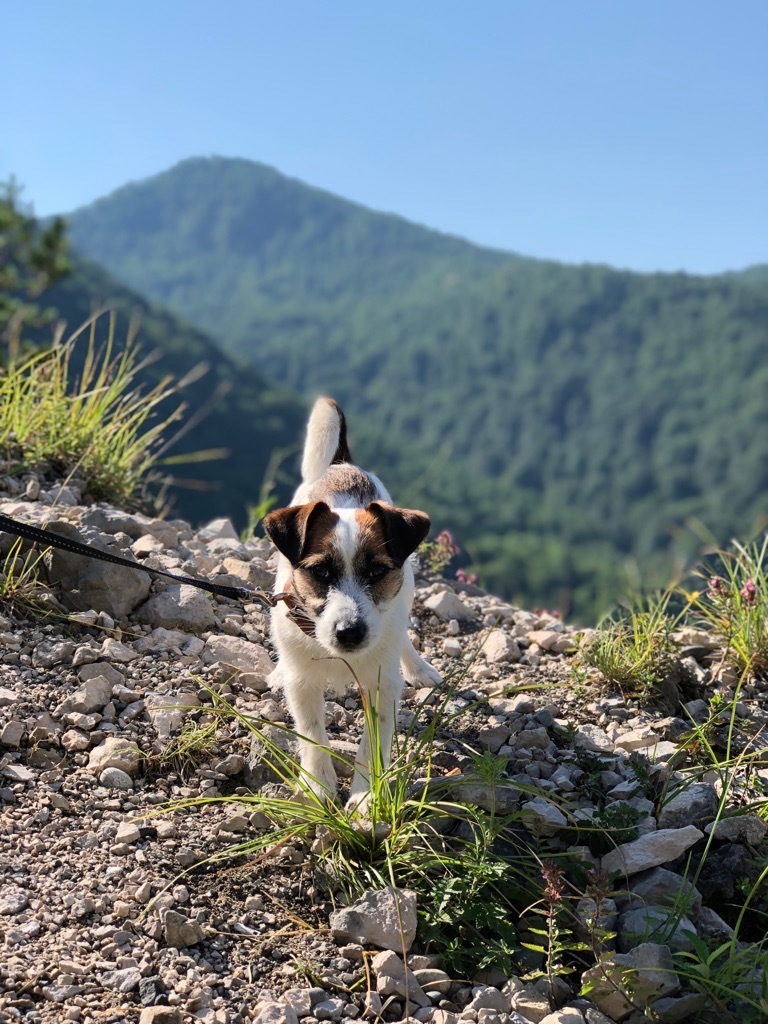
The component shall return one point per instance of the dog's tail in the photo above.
(326, 442)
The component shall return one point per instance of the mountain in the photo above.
(237, 409)
(566, 422)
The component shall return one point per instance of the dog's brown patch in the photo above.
(373, 565)
(301, 530)
(304, 534)
(403, 528)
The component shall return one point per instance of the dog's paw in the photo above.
(320, 779)
(419, 672)
(359, 805)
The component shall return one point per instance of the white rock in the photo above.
(180, 606)
(649, 969)
(499, 648)
(485, 997)
(275, 1013)
(381, 917)
(92, 695)
(114, 650)
(651, 850)
(452, 647)
(568, 1015)
(592, 737)
(218, 529)
(446, 606)
(115, 752)
(541, 817)
(239, 654)
(394, 978)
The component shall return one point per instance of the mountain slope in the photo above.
(565, 421)
(237, 409)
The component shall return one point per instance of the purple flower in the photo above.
(466, 577)
(749, 592)
(717, 586)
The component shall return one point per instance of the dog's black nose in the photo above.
(352, 636)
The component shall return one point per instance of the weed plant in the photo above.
(85, 413)
(734, 604)
(635, 650)
(20, 586)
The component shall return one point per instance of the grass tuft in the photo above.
(85, 413)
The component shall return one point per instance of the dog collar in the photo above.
(296, 613)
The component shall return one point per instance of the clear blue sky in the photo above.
(630, 132)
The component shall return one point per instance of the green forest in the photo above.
(578, 428)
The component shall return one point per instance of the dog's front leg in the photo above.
(382, 694)
(305, 696)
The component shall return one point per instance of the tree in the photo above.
(32, 258)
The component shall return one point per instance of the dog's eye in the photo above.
(376, 571)
(320, 571)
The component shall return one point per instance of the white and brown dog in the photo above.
(345, 563)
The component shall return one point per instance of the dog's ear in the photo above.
(297, 530)
(404, 529)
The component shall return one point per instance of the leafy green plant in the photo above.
(85, 413)
(557, 943)
(438, 553)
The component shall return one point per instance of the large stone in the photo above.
(446, 606)
(592, 737)
(394, 978)
(496, 798)
(568, 1015)
(275, 1013)
(381, 917)
(115, 752)
(694, 805)
(238, 654)
(542, 817)
(663, 888)
(651, 850)
(160, 1015)
(655, 924)
(218, 529)
(648, 970)
(499, 648)
(93, 695)
(181, 931)
(106, 671)
(87, 583)
(180, 606)
(741, 828)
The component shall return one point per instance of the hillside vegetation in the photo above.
(566, 422)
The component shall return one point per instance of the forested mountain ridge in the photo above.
(566, 422)
(233, 407)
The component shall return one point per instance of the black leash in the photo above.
(55, 540)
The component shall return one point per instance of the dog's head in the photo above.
(347, 565)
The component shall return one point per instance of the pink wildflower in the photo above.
(749, 592)
(717, 586)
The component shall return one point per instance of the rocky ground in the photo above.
(103, 915)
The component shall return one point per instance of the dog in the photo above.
(345, 569)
